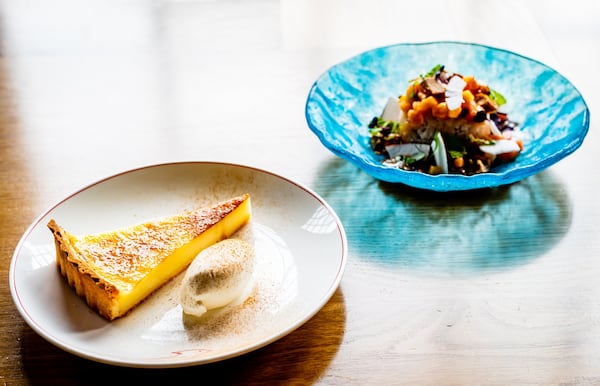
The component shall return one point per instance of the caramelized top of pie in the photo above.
(116, 270)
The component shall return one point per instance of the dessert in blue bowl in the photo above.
(369, 110)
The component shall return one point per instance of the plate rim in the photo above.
(453, 182)
(37, 327)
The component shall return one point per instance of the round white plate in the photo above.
(300, 247)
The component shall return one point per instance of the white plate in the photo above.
(300, 246)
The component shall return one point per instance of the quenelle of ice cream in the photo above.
(217, 276)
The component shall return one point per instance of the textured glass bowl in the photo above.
(549, 109)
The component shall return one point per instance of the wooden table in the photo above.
(90, 89)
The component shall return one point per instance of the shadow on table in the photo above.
(300, 357)
(453, 233)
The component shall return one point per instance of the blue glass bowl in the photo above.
(549, 109)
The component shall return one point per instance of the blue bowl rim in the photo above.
(449, 182)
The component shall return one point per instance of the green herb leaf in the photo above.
(481, 141)
(456, 154)
(497, 97)
(433, 71)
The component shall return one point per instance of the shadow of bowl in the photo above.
(452, 233)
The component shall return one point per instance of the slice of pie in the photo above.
(115, 271)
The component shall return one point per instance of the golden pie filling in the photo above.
(114, 271)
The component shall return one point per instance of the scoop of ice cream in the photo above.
(217, 276)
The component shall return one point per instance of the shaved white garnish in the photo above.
(217, 276)
(391, 111)
(439, 152)
(493, 128)
(408, 149)
(454, 90)
(501, 146)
